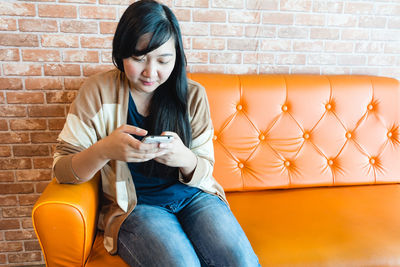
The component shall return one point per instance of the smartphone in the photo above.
(151, 139)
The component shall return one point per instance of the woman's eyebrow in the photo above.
(166, 55)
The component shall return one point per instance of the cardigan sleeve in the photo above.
(202, 134)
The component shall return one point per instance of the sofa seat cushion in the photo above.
(336, 226)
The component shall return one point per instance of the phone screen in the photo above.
(151, 139)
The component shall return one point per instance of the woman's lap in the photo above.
(202, 230)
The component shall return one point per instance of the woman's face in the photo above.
(149, 71)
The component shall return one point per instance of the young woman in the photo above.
(161, 206)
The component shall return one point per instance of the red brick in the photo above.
(74, 26)
(6, 176)
(17, 9)
(201, 29)
(226, 30)
(22, 69)
(43, 84)
(57, 11)
(41, 55)
(26, 223)
(10, 83)
(96, 42)
(208, 43)
(8, 201)
(291, 59)
(243, 44)
(81, 56)
(25, 257)
(44, 137)
(12, 111)
(197, 57)
(28, 200)
(41, 186)
(25, 188)
(228, 3)
(225, 58)
(244, 17)
(25, 98)
(7, 224)
(12, 39)
(3, 258)
(323, 33)
(262, 4)
(73, 83)
(3, 125)
(2, 98)
(79, 1)
(9, 54)
(7, 24)
(106, 57)
(97, 12)
(61, 96)
(47, 111)
(108, 27)
(5, 151)
(62, 40)
(260, 31)
(31, 245)
(37, 25)
(89, 70)
(278, 18)
(16, 212)
(33, 175)
(289, 5)
(30, 150)
(56, 124)
(62, 70)
(11, 246)
(42, 163)
(209, 15)
(114, 2)
(28, 124)
(293, 33)
(14, 138)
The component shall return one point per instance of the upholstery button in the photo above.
(287, 163)
(389, 134)
(240, 165)
(284, 108)
(348, 135)
(330, 162)
(306, 136)
(328, 106)
(239, 107)
(372, 161)
(215, 137)
(261, 137)
(370, 107)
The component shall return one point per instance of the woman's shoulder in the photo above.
(102, 79)
(196, 91)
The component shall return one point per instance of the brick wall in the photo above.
(48, 47)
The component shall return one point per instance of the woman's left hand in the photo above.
(177, 155)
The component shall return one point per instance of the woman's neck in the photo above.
(142, 101)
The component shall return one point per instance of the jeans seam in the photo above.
(127, 249)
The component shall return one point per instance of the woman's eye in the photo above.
(164, 62)
(138, 59)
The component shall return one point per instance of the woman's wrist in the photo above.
(190, 165)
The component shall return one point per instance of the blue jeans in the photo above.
(200, 231)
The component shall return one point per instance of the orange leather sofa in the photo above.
(310, 164)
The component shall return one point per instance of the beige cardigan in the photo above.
(100, 107)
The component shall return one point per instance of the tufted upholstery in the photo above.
(290, 131)
(333, 138)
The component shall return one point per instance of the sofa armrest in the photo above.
(65, 222)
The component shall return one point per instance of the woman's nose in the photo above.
(149, 70)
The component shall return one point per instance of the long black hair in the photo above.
(168, 110)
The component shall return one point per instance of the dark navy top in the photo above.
(160, 188)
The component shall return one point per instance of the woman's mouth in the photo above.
(147, 83)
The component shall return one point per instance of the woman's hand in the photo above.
(121, 145)
(176, 154)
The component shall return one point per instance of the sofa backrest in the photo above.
(290, 131)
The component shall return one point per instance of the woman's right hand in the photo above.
(121, 145)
